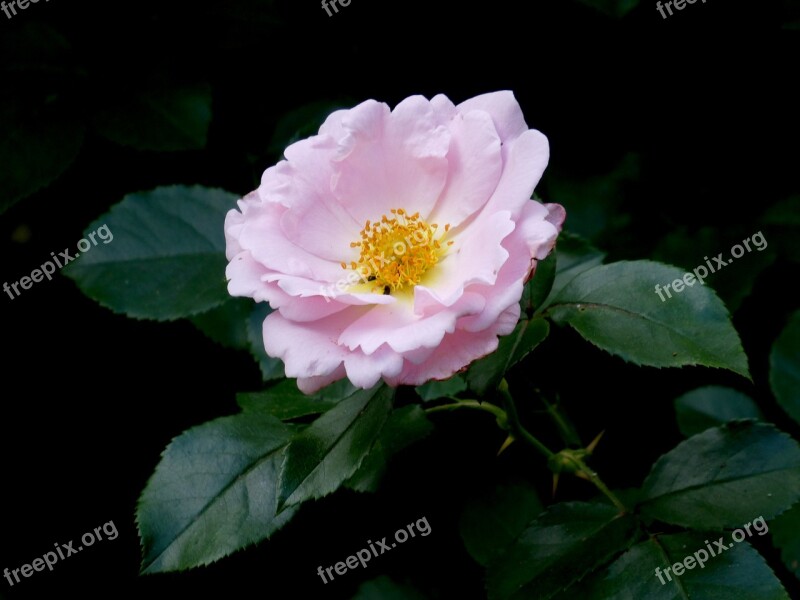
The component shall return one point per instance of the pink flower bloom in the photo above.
(395, 243)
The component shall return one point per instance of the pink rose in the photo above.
(395, 244)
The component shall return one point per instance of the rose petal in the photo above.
(365, 371)
(534, 237)
(263, 236)
(309, 385)
(398, 326)
(394, 160)
(474, 168)
(527, 158)
(504, 110)
(476, 257)
(307, 349)
(316, 221)
(246, 278)
(456, 351)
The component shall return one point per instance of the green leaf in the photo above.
(302, 122)
(162, 119)
(539, 287)
(214, 492)
(403, 427)
(39, 140)
(383, 588)
(238, 324)
(227, 323)
(487, 372)
(783, 224)
(271, 368)
(594, 204)
(612, 8)
(616, 308)
(332, 448)
(724, 476)
(167, 256)
(493, 520)
(784, 373)
(41, 129)
(336, 391)
(574, 256)
(739, 572)
(711, 406)
(285, 401)
(441, 389)
(33, 47)
(686, 249)
(561, 546)
(786, 536)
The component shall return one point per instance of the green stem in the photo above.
(522, 433)
(598, 483)
(516, 427)
(567, 431)
(498, 412)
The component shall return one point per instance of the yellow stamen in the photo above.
(396, 253)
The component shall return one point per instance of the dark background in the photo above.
(707, 100)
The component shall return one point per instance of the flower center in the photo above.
(396, 252)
